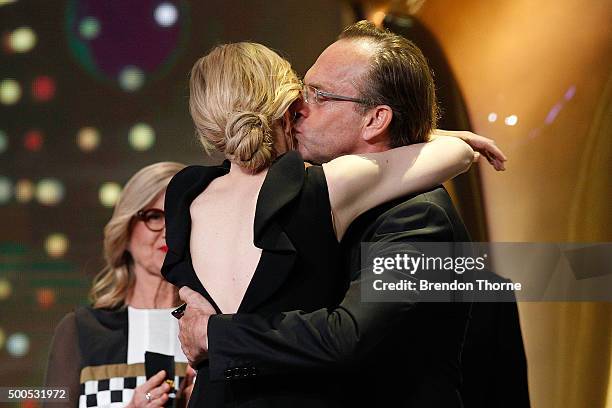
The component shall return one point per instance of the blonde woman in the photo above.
(261, 235)
(98, 351)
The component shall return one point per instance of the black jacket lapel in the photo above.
(282, 185)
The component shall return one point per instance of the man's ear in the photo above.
(377, 122)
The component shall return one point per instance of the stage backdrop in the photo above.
(537, 79)
(90, 92)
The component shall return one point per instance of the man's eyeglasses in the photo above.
(154, 219)
(315, 96)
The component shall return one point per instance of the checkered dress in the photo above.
(106, 378)
(114, 391)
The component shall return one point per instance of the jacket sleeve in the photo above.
(332, 338)
(63, 367)
(176, 187)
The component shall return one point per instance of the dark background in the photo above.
(42, 289)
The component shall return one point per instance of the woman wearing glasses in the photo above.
(261, 236)
(98, 351)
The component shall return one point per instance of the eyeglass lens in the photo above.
(311, 95)
(154, 219)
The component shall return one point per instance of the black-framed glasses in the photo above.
(315, 96)
(154, 218)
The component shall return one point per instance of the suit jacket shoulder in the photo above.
(424, 217)
(429, 215)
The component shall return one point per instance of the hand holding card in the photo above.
(156, 362)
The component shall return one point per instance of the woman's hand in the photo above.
(155, 388)
(481, 145)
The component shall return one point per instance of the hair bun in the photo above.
(249, 140)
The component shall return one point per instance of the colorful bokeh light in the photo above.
(511, 120)
(109, 193)
(56, 245)
(131, 78)
(43, 88)
(22, 39)
(166, 14)
(89, 28)
(45, 297)
(141, 137)
(88, 139)
(6, 289)
(49, 191)
(10, 92)
(33, 140)
(24, 191)
(18, 344)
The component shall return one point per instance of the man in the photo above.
(399, 354)
(494, 368)
(400, 17)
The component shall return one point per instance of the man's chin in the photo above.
(303, 151)
(307, 155)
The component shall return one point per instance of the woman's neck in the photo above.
(237, 173)
(151, 292)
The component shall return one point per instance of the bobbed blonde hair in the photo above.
(113, 283)
(239, 94)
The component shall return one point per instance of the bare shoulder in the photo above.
(216, 186)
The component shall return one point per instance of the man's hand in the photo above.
(193, 325)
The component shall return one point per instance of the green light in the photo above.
(89, 28)
(142, 137)
(131, 78)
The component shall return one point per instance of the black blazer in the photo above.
(403, 355)
(494, 364)
(299, 269)
(386, 354)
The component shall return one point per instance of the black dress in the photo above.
(299, 269)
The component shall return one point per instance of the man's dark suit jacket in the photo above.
(494, 365)
(386, 354)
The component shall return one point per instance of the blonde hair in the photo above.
(113, 283)
(238, 96)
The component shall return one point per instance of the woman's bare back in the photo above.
(221, 244)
